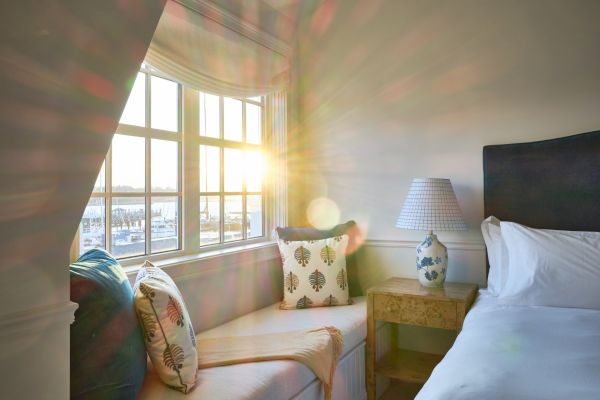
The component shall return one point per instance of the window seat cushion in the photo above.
(272, 379)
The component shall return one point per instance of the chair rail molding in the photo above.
(412, 244)
(35, 320)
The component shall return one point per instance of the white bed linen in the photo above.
(551, 268)
(520, 352)
(269, 380)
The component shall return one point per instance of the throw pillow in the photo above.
(497, 255)
(168, 332)
(314, 273)
(551, 268)
(108, 358)
(355, 240)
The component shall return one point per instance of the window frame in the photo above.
(148, 134)
(221, 143)
(188, 194)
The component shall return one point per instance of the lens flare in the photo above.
(323, 213)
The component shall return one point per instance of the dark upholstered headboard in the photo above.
(553, 184)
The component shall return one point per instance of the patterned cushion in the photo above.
(167, 329)
(355, 240)
(108, 359)
(314, 273)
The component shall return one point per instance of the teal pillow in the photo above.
(108, 358)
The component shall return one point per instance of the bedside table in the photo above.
(405, 301)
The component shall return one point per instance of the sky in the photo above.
(128, 152)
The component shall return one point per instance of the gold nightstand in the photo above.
(405, 301)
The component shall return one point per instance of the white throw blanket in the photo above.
(318, 349)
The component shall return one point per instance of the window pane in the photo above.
(254, 215)
(100, 184)
(135, 109)
(210, 220)
(128, 164)
(165, 165)
(164, 232)
(232, 119)
(233, 218)
(234, 170)
(209, 116)
(164, 104)
(128, 226)
(91, 229)
(255, 170)
(253, 123)
(257, 99)
(210, 168)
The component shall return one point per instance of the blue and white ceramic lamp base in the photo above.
(432, 261)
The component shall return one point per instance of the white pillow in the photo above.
(552, 268)
(314, 273)
(497, 254)
(167, 329)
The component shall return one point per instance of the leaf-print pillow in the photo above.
(314, 273)
(166, 326)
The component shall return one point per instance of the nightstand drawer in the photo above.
(415, 311)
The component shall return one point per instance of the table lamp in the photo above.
(431, 205)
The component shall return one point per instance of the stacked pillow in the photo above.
(542, 267)
(167, 328)
(314, 273)
(108, 359)
(497, 254)
(355, 239)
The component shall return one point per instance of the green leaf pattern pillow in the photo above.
(314, 273)
(168, 332)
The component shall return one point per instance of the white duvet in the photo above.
(520, 352)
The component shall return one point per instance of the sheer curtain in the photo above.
(206, 55)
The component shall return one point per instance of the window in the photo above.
(135, 207)
(184, 173)
(231, 169)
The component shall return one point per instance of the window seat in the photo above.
(278, 379)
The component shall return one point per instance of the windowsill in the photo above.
(211, 261)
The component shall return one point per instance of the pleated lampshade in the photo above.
(431, 205)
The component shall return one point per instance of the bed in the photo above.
(512, 351)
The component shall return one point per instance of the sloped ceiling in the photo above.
(66, 69)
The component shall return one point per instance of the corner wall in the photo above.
(66, 69)
(395, 89)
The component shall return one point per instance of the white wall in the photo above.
(227, 284)
(395, 89)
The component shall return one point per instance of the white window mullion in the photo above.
(190, 172)
(244, 195)
(180, 212)
(148, 165)
(108, 201)
(222, 168)
(147, 196)
(243, 122)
